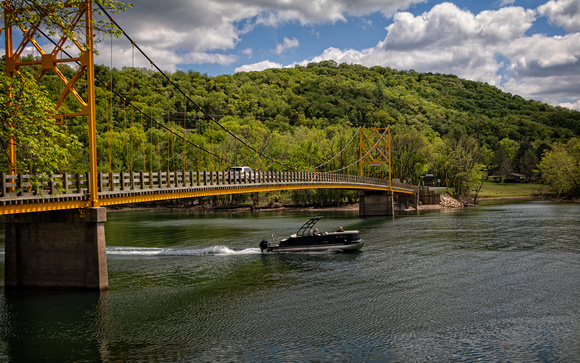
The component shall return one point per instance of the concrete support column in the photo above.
(57, 249)
(376, 204)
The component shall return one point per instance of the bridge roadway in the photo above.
(21, 194)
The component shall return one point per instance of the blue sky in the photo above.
(525, 47)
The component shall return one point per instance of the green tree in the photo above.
(527, 160)
(410, 154)
(27, 111)
(462, 163)
(54, 13)
(505, 155)
(26, 119)
(560, 168)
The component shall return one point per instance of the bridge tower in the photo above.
(58, 248)
(375, 150)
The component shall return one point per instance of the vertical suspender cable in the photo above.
(67, 140)
(158, 149)
(125, 132)
(132, 99)
(212, 162)
(151, 128)
(223, 167)
(110, 121)
(184, 136)
(143, 140)
(199, 137)
(168, 123)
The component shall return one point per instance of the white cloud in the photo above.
(564, 13)
(451, 40)
(260, 66)
(448, 26)
(288, 44)
(505, 2)
(203, 27)
(572, 106)
(545, 68)
(445, 39)
(307, 12)
(165, 59)
(539, 53)
(207, 25)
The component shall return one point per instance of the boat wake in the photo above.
(153, 252)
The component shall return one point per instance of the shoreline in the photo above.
(533, 197)
(348, 207)
(509, 197)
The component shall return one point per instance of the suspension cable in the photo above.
(364, 156)
(211, 119)
(340, 152)
(181, 91)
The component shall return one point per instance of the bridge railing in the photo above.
(22, 186)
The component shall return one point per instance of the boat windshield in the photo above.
(305, 229)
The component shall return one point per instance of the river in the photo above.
(499, 282)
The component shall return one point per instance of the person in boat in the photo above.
(340, 229)
(316, 233)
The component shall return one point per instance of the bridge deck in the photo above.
(21, 193)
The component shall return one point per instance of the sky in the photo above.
(526, 47)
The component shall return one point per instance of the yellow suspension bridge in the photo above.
(19, 194)
(76, 200)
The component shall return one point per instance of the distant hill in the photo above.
(326, 93)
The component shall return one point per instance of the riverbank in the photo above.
(278, 208)
(551, 198)
(510, 197)
(237, 209)
(447, 202)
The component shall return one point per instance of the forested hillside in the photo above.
(303, 116)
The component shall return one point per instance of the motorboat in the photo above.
(309, 239)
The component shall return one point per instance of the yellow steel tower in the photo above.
(82, 17)
(375, 148)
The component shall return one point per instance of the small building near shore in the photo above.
(515, 178)
(431, 180)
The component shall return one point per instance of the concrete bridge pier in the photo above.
(62, 249)
(374, 203)
(407, 201)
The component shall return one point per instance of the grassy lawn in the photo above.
(491, 189)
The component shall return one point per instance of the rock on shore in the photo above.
(450, 202)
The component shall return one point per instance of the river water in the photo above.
(499, 282)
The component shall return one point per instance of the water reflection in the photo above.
(55, 326)
(492, 283)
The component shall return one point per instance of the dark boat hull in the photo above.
(342, 241)
(315, 248)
